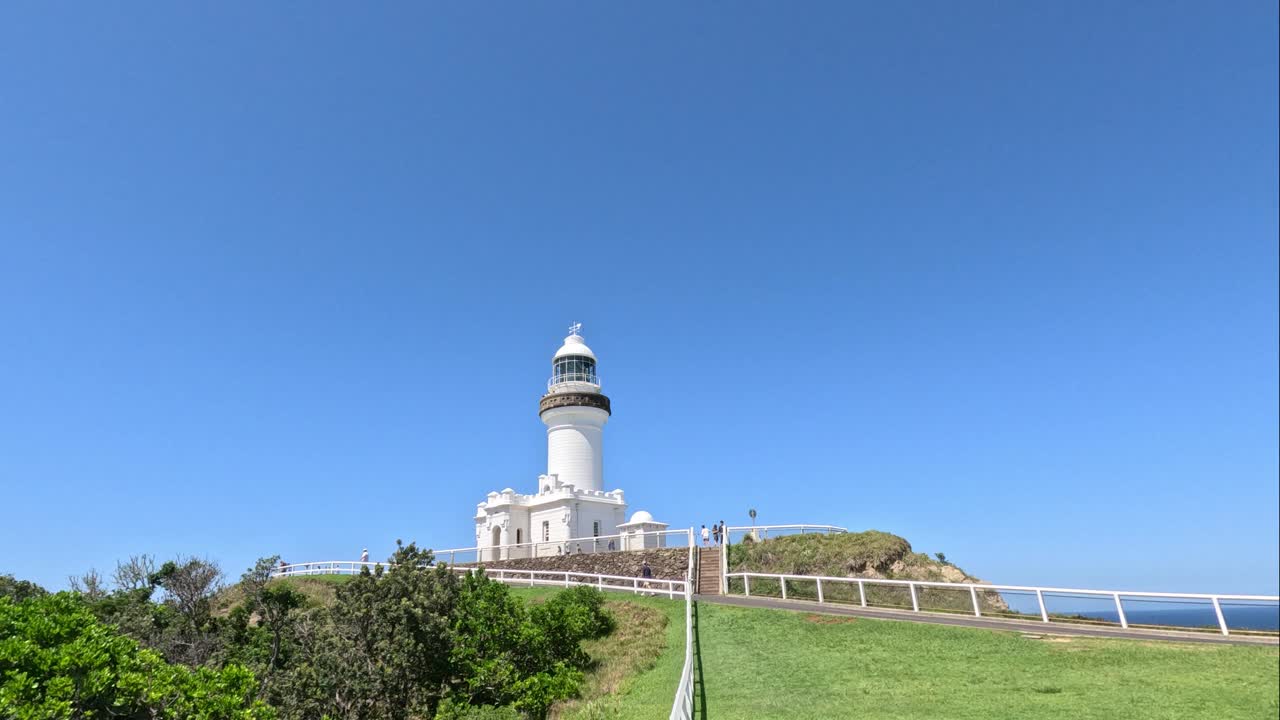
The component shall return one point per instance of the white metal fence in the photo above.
(974, 589)
(558, 548)
(682, 705)
(763, 532)
(323, 567)
(558, 578)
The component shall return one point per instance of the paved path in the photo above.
(1039, 628)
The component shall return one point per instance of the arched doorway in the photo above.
(497, 543)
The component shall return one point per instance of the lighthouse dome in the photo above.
(574, 347)
(574, 366)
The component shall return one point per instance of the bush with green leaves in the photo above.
(19, 590)
(404, 641)
(451, 709)
(59, 661)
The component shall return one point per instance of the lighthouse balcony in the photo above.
(574, 383)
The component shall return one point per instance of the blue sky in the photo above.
(998, 277)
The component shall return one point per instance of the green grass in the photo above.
(642, 687)
(761, 663)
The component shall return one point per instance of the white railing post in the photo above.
(1044, 614)
(819, 590)
(724, 562)
(746, 585)
(915, 603)
(973, 593)
(671, 590)
(862, 594)
(783, 579)
(566, 579)
(1124, 622)
(1222, 620)
(635, 585)
(530, 578)
(600, 583)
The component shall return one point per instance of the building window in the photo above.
(546, 530)
(519, 536)
(595, 528)
(574, 369)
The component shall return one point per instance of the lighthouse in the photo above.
(575, 412)
(569, 511)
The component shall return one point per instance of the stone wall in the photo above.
(666, 563)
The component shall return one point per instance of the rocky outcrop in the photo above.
(870, 554)
(666, 563)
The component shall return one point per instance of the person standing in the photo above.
(364, 555)
(647, 573)
(706, 536)
(715, 533)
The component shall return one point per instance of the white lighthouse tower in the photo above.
(570, 508)
(575, 411)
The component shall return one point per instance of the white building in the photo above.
(570, 506)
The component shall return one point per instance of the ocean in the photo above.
(1238, 618)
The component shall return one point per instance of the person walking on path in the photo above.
(706, 536)
(364, 555)
(715, 534)
(647, 573)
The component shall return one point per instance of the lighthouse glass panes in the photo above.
(574, 369)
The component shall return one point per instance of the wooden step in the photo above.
(708, 580)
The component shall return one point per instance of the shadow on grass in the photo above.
(699, 679)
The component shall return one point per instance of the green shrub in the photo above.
(576, 614)
(19, 590)
(58, 661)
(451, 709)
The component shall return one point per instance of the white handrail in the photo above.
(1039, 591)
(799, 526)
(592, 543)
(682, 705)
(566, 578)
(324, 567)
(762, 531)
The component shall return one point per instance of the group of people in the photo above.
(717, 532)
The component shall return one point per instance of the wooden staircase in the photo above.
(708, 582)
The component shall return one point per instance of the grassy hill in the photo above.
(869, 554)
(821, 666)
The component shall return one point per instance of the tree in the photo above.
(381, 652)
(189, 585)
(274, 603)
(90, 585)
(398, 621)
(19, 590)
(136, 574)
